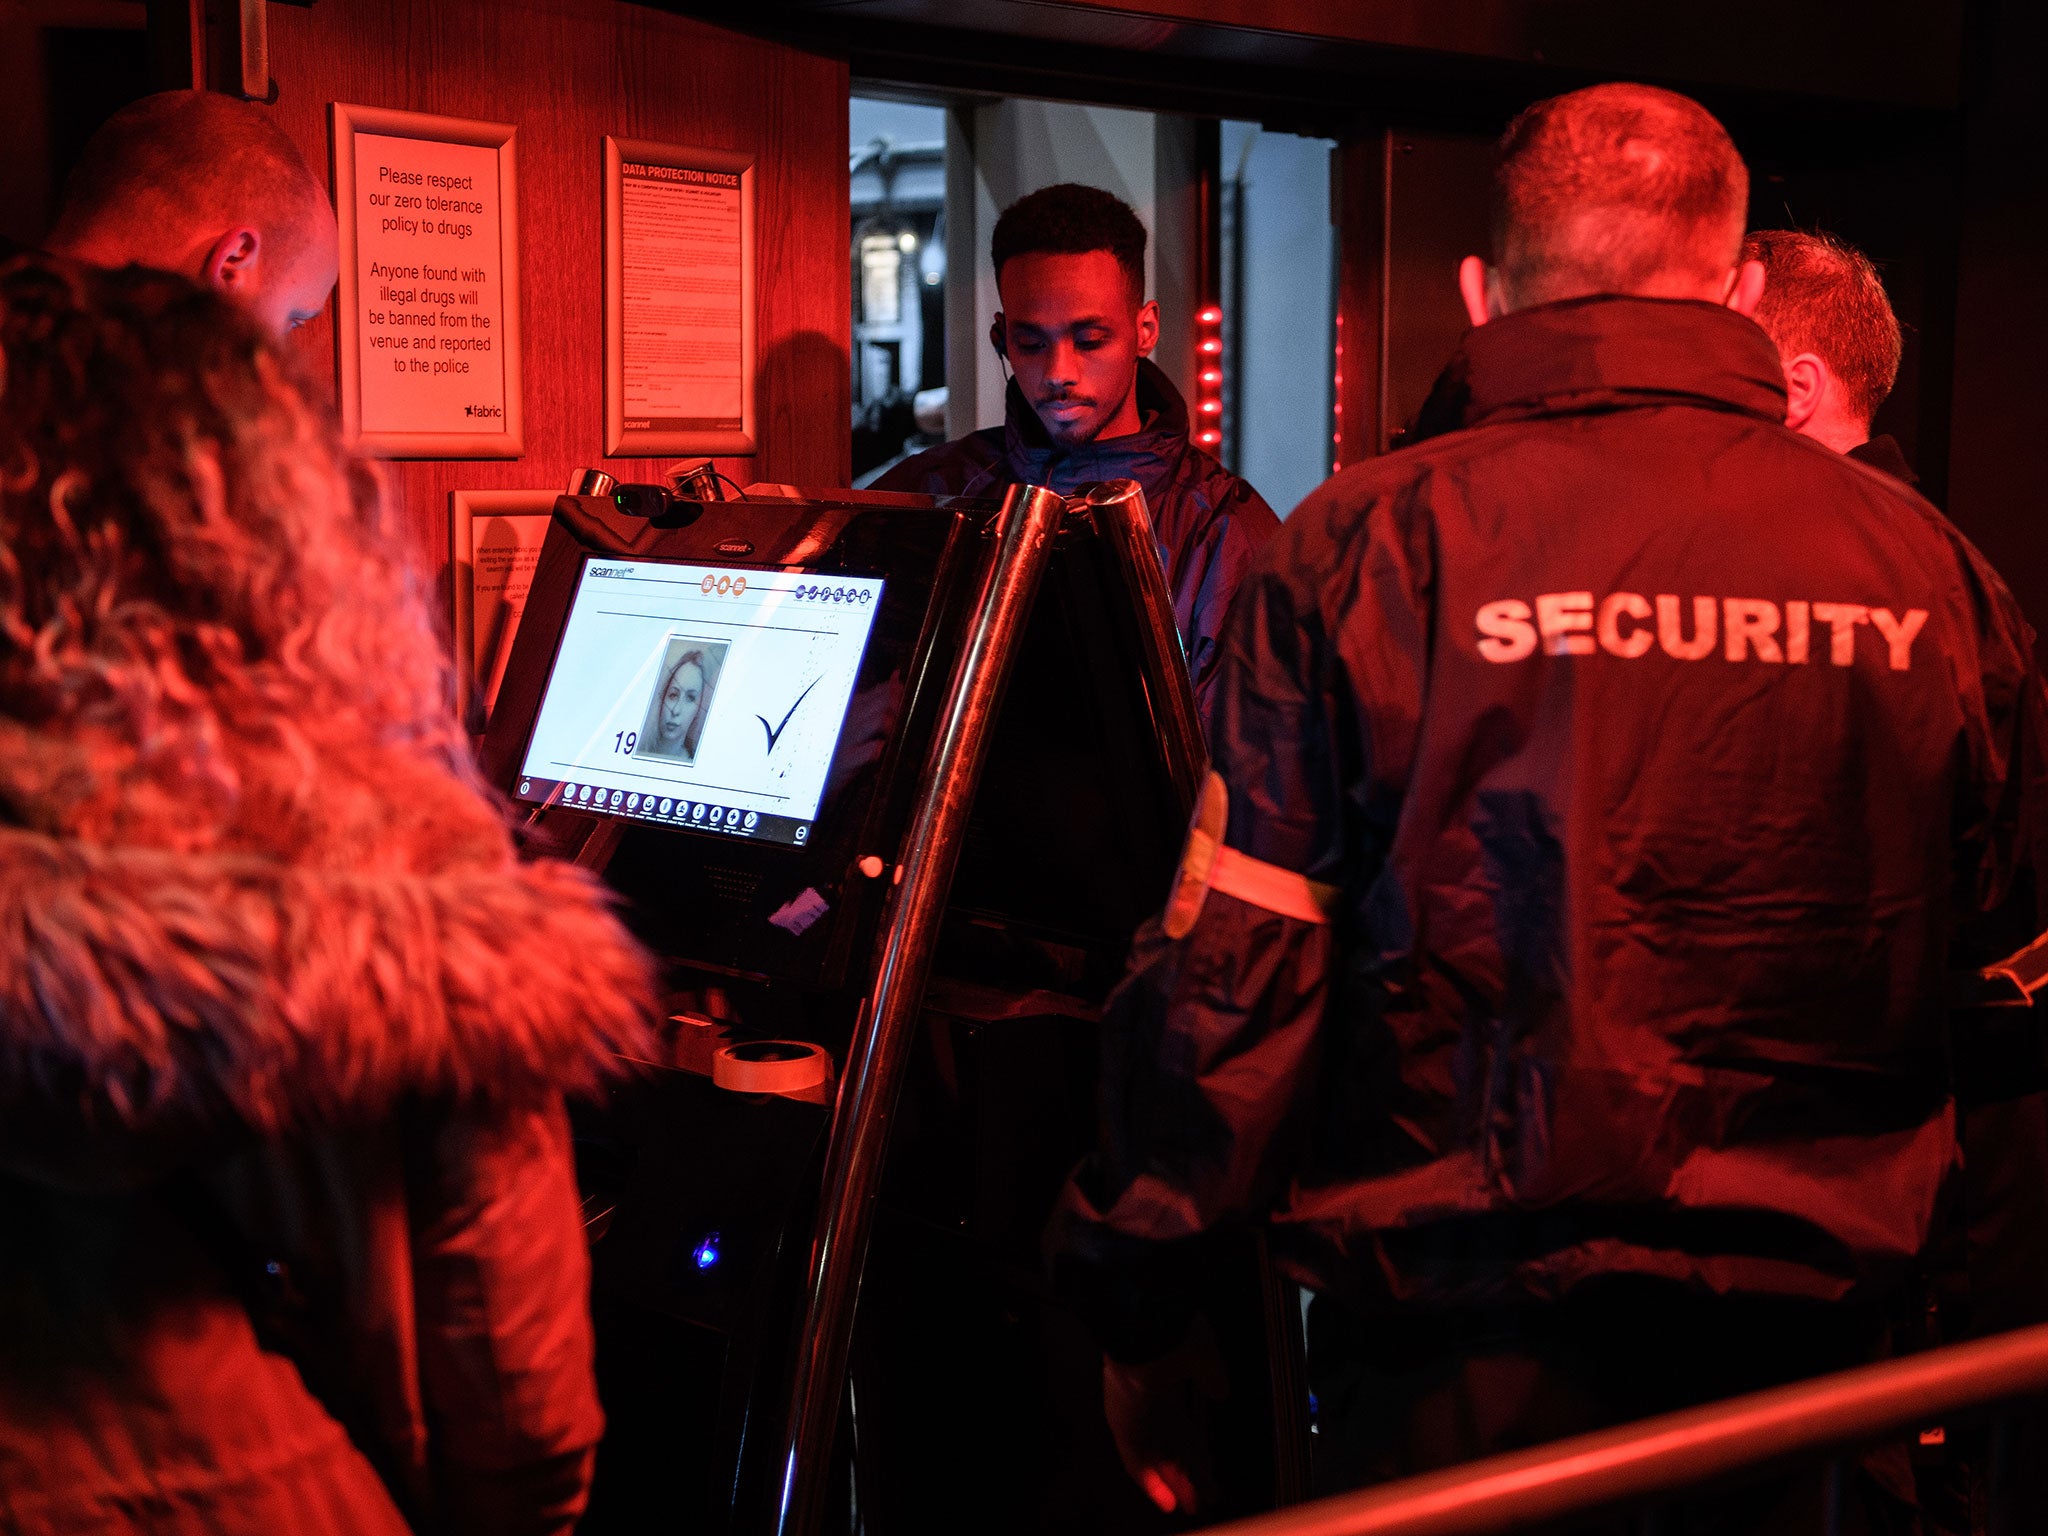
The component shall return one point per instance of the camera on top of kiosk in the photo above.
(675, 501)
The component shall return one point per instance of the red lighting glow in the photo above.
(1337, 395)
(1209, 375)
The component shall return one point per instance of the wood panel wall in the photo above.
(567, 72)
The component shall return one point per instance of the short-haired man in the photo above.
(1839, 341)
(1825, 309)
(1558, 966)
(208, 187)
(1085, 403)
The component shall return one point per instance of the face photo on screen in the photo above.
(682, 699)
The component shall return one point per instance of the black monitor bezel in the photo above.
(923, 550)
(725, 563)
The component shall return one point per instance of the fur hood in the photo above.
(300, 949)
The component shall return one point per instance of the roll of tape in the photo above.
(771, 1066)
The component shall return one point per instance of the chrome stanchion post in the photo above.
(1023, 534)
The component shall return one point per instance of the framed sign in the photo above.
(428, 319)
(678, 299)
(495, 539)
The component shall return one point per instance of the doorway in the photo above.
(1239, 220)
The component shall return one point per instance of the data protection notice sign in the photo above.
(679, 299)
(684, 290)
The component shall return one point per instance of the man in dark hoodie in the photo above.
(1602, 789)
(1085, 403)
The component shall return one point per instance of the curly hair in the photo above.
(189, 558)
(1071, 220)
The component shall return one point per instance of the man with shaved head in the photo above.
(1602, 792)
(209, 187)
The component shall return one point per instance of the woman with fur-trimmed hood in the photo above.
(289, 1235)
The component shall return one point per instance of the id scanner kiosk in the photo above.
(887, 783)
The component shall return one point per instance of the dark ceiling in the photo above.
(1331, 57)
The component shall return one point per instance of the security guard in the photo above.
(1557, 962)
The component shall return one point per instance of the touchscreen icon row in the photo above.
(835, 595)
(696, 813)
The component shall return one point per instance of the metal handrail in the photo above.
(1654, 1457)
(875, 1060)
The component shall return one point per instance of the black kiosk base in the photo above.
(887, 784)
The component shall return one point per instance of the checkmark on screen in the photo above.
(775, 731)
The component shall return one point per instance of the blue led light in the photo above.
(705, 1254)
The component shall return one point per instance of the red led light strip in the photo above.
(1337, 402)
(1209, 377)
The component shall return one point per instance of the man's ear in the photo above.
(1148, 327)
(999, 337)
(230, 264)
(1806, 387)
(1472, 288)
(1746, 288)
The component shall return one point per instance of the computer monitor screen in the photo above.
(698, 696)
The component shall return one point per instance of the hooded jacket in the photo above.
(1207, 522)
(289, 1232)
(311, 1080)
(1646, 760)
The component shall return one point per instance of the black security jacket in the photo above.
(1883, 452)
(1207, 521)
(1657, 755)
